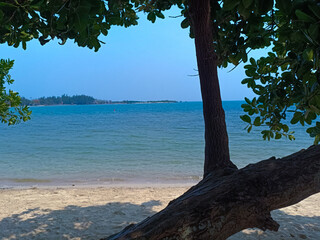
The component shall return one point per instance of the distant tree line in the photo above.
(64, 99)
(79, 100)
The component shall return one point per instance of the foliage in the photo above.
(10, 110)
(80, 20)
(287, 79)
(64, 99)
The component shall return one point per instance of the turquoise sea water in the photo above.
(110, 144)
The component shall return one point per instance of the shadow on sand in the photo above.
(74, 222)
(292, 227)
(95, 222)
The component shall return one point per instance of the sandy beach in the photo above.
(95, 212)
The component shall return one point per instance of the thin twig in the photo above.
(176, 16)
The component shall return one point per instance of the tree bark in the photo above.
(216, 137)
(219, 207)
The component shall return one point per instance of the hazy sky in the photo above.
(144, 62)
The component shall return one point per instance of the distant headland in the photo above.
(80, 100)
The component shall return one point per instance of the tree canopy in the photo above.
(285, 80)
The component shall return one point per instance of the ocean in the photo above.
(160, 143)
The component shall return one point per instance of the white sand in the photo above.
(92, 213)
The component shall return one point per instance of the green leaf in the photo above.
(245, 118)
(246, 80)
(225, 63)
(291, 137)
(82, 16)
(251, 73)
(159, 14)
(314, 31)
(284, 5)
(314, 109)
(247, 3)
(151, 17)
(24, 45)
(230, 4)
(3, 4)
(308, 54)
(185, 23)
(247, 100)
(246, 107)
(253, 62)
(244, 12)
(296, 117)
(264, 6)
(304, 17)
(265, 134)
(285, 128)
(278, 135)
(104, 28)
(257, 121)
(315, 10)
(313, 131)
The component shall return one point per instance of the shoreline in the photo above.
(131, 103)
(107, 186)
(69, 184)
(112, 103)
(94, 212)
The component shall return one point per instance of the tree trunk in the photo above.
(219, 207)
(216, 137)
(227, 200)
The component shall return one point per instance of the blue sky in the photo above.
(144, 62)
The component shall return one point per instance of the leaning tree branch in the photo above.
(226, 203)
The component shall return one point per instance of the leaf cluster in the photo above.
(11, 111)
(288, 79)
(80, 20)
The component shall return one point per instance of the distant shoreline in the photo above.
(112, 103)
(86, 100)
(81, 100)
